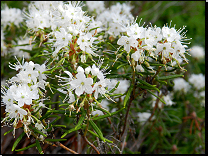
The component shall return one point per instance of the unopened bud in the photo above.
(133, 62)
(146, 63)
(119, 55)
(128, 57)
(73, 61)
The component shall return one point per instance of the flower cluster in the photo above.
(87, 84)
(23, 95)
(11, 15)
(154, 42)
(69, 27)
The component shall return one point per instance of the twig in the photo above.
(84, 137)
(64, 147)
(140, 139)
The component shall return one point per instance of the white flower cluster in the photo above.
(24, 88)
(197, 80)
(97, 6)
(89, 82)
(181, 84)
(167, 99)
(3, 47)
(197, 52)
(165, 42)
(144, 116)
(114, 19)
(69, 24)
(11, 15)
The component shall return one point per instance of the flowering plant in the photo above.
(86, 69)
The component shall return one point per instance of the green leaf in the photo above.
(156, 96)
(8, 132)
(111, 45)
(169, 77)
(176, 118)
(146, 84)
(81, 119)
(97, 136)
(154, 145)
(146, 87)
(121, 66)
(164, 82)
(17, 141)
(58, 64)
(55, 140)
(59, 126)
(72, 130)
(167, 116)
(104, 110)
(112, 90)
(106, 115)
(37, 131)
(128, 95)
(97, 130)
(46, 115)
(39, 147)
(25, 148)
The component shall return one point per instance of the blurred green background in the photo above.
(188, 13)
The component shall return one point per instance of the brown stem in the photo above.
(126, 116)
(156, 73)
(140, 139)
(64, 147)
(89, 143)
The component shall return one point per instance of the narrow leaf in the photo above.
(39, 147)
(106, 115)
(97, 136)
(112, 90)
(72, 130)
(128, 95)
(97, 130)
(25, 148)
(8, 132)
(17, 141)
(156, 96)
(169, 77)
(37, 131)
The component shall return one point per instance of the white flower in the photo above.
(82, 84)
(127, 42)
(138, 55)
(94, 70)
(39, 125)
(181, 84)
(15, 111)
(62, 40)
(144, 116)
(98, 6)
(197, 52)
(23, 94)
(87, 70)
(165, 49)
(170, 34)
(99, 87)
(11, 15)
(198, 81)
(139, 68)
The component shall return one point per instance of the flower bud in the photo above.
(146, 63)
